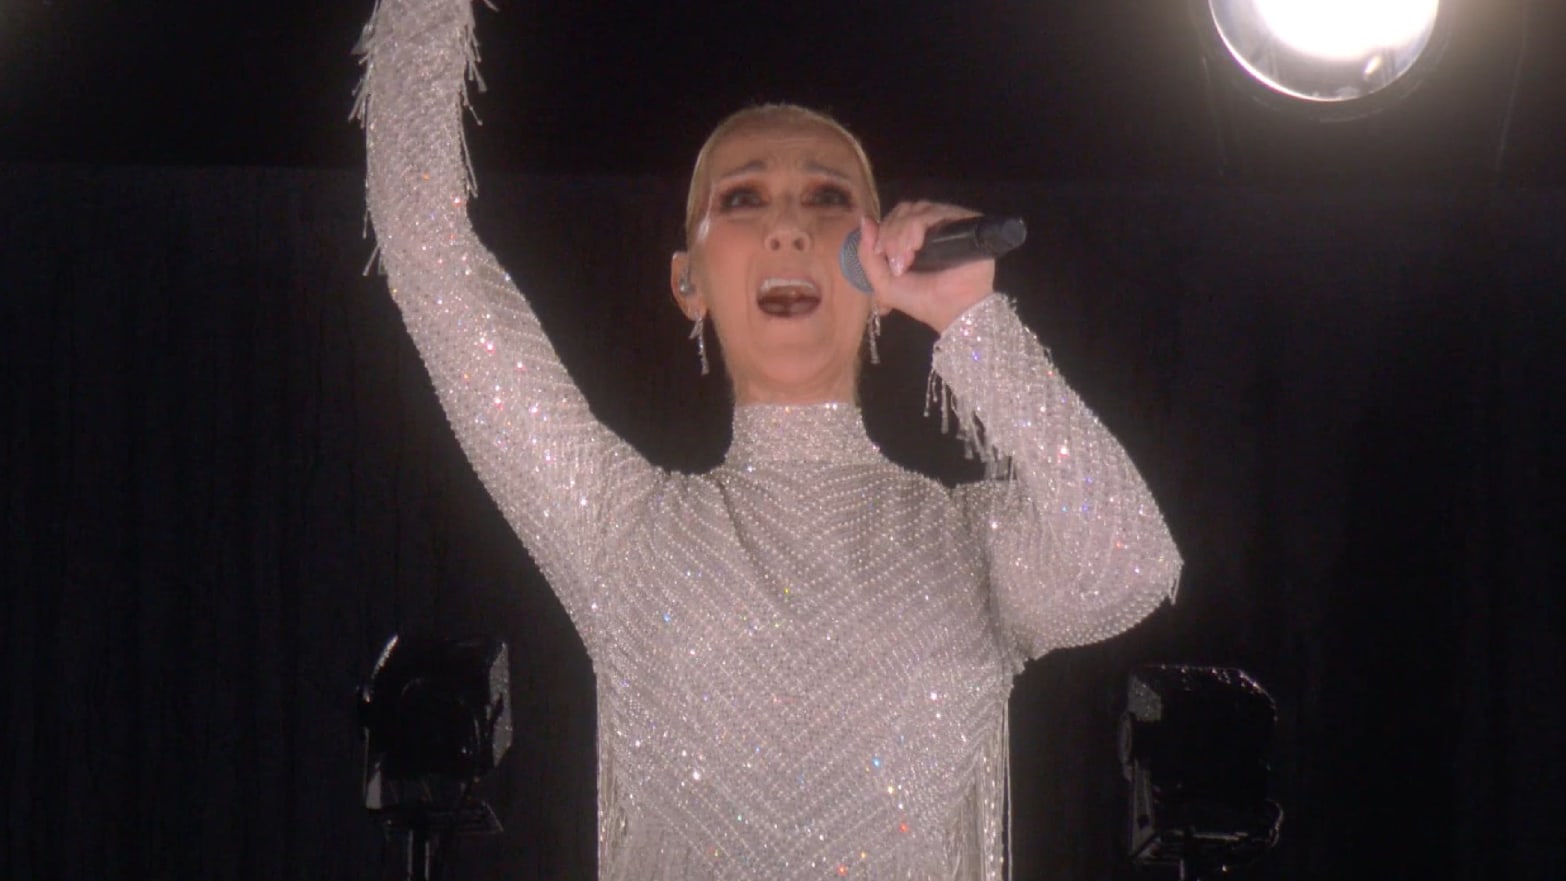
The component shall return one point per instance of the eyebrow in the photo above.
(827, 170)
(810, 165)
(750, 167)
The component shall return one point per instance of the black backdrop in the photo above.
(226, 483)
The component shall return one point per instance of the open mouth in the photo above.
(788, 297)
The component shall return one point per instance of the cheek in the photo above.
(724, 261)
(855, 306)
(725, 292)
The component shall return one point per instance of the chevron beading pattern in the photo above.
(803, 657)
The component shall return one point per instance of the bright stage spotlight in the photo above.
(1327, 51)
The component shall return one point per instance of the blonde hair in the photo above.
(760, 118)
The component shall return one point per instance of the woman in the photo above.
(803, 657)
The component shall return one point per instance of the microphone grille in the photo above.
(848, 260)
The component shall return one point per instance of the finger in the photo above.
(902, 234)
(892, 224)
(870, 257)
(907, 227)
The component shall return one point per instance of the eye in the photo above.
(832, 195)
(734, 198)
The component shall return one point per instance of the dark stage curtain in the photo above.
(226, 483)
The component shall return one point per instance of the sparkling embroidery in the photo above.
(803, 657)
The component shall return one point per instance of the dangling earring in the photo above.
(873, 331)
(701, 342)
(687, 289)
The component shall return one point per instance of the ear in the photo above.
(686, 298)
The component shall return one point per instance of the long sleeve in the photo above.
(1076, 546)
(550, 465)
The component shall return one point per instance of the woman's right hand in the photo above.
(887, 249)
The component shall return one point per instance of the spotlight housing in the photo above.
(1193, 747)
(1329, 58)
(436, 717)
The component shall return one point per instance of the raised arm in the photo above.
(522, 422)
(1078, 550)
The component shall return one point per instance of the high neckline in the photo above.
(830, 433)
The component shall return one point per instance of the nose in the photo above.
(788, 232)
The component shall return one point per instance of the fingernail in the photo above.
(896, 263)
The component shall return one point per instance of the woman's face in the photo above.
(764, 263)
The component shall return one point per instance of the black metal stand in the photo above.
(422, 850)
(431, 833)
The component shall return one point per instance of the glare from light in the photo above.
(1326, 51)
(1343, 30)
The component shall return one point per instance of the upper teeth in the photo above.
(774, 283)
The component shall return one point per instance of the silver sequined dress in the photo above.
(803, 657)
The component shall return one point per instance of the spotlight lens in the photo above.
(1342, 30)
(1326, 50)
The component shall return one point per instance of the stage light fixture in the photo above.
(1193, 747)
(436, 717)
(1328, 51)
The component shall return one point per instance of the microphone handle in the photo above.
(950, 244)
(964, 241)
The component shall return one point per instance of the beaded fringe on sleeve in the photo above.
(520, 419)
(1078, 550)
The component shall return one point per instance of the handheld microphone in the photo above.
(949, 244)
